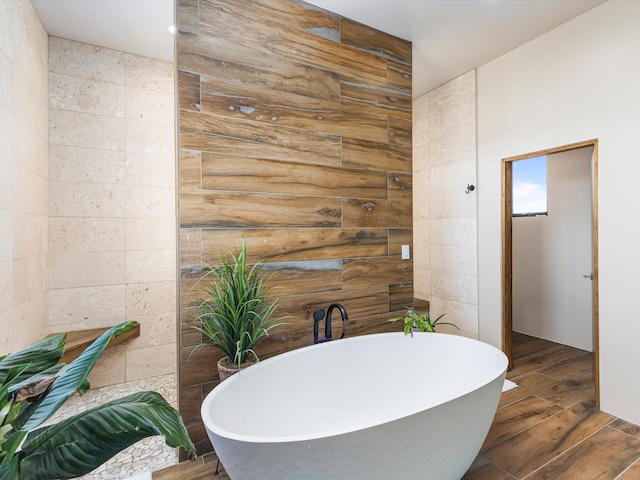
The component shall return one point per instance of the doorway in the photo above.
(508, 251)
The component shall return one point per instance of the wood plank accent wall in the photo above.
(295, 134)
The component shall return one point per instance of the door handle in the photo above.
(589, 276)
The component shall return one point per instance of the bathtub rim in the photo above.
(213, 428)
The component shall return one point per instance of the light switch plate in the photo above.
(405, 252)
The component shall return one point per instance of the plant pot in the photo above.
(226, 367)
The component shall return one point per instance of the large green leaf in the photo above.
(81, 443)
(11, 445)
(72, 377)
(38, 356)
(9, 470)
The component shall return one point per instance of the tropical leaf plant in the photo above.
(413, 320)
(34, 386)
(234, 313)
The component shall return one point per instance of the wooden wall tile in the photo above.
(368, 272)
(400, 133)
(225, 172)
(233, 20)
(189, 297)
(400, 186)
(297, 15)
(295, 135)
(400, 296)
(189, 84)
(190, 401)
(190, 169)
(372, 324)
(289, 245)
(376, 213)
(221, 58)
(375, 156)
(323, 53)
(298, 278)
(421, 305)
(399, 75)
(359, 302)
(188, 16)
(190, 247)
(232, 210)
(399, 237)
(371, 40)
(189, 336)
(198, 365)
(203, 141)
(290, 110)
(383, 99)
(200, 439)
(292, 139)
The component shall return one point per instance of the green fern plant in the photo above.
(421, 322)
(33, 385)
(234, 313)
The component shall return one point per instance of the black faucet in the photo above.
(318, 315)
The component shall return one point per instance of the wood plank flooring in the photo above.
(547, 428)
(204, 468)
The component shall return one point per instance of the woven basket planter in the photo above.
(226, 367)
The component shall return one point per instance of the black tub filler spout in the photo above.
(318, 315)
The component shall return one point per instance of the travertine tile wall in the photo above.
(112, 203)
(23, 176)
(444, 216)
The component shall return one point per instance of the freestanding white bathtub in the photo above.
(383, 406)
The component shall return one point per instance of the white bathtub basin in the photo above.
(372, 407)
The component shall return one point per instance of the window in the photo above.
(530, 187)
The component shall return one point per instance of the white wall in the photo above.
(23, 176)
(577, 82)
(551, 253)
(444, 217)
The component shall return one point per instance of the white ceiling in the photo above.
(134, 26)
(450, 37)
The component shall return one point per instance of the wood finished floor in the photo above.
(204, 468)
(547, 428)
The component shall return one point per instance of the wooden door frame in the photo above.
(507, 251)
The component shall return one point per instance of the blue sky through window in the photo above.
(530, 185)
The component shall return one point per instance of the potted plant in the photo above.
(33, 385)
(234, 313)
(420, 322)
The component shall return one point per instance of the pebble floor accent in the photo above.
(147, 455)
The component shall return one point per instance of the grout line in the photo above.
(565, 452)
(525, 429)
(621, 475)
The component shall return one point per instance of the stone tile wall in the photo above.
(23, 176)
(444, 216)
(112, 203)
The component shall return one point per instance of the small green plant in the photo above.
(234, 313)
(33, 385)
(420, 321)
